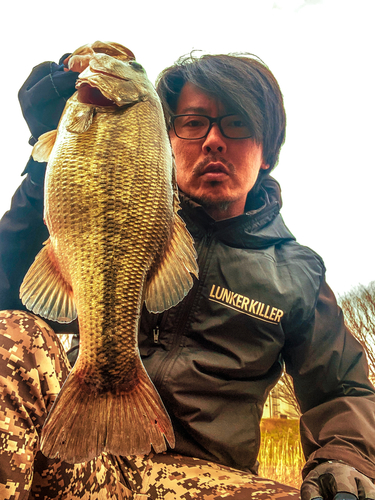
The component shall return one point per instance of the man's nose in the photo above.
(214, 141)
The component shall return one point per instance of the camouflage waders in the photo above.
(33, 366)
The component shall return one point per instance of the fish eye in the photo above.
(136, 66)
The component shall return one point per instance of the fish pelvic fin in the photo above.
(42, 149)
(172, 280)
(44, 290)
(83, 423)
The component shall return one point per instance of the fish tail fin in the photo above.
(83, 423)
(141, 413)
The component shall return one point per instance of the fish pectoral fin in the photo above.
(44, 290)
(80, 118)
(42, 149)
(172, 280)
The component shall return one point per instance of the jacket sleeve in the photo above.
(330, 374)
(22, 233)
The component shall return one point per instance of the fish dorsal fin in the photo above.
(172, 280)
(80, 118)
(42, 149)
(44, 290)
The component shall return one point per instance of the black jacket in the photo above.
(261, 300)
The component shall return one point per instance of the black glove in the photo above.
(337, 481)
(42, 98)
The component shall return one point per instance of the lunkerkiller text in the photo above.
(241, 303)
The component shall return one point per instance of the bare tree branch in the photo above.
(358, 306)
(285, 392)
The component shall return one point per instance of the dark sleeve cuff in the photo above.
(36, 171)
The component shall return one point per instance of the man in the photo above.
(261, 300)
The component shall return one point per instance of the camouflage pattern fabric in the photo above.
(171, 477)
(33, 367)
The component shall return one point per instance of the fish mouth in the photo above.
(91, 95)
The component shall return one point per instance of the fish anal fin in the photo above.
(172, 279)
(126, 422)
(44, 290)
(42, 149)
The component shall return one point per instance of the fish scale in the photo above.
(116, 241)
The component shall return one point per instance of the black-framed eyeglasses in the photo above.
(192, 127)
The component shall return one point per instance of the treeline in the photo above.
(359, 311)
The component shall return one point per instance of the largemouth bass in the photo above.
(116, 241)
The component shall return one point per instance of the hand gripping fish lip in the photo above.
(118, 81)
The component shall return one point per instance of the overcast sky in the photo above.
(322, 54)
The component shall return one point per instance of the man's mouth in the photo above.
(215, 171)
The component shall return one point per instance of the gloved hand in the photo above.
(42, 98)
(44, 94)
(337, 481)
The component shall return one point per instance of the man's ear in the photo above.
(264, 166)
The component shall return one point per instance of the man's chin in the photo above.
(211, 202)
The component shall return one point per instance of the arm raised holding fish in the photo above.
(214, 346)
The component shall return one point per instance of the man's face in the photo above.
(215, 171)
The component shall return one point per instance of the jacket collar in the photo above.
(261, 225)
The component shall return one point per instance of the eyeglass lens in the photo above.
(197, 126)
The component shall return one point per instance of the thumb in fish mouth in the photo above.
(79, 60)
(79, 63)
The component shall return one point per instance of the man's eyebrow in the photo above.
(195, 110)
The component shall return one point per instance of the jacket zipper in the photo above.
(156, 333)
(184, 316)
(188, 307)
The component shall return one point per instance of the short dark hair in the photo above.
(243, 83)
